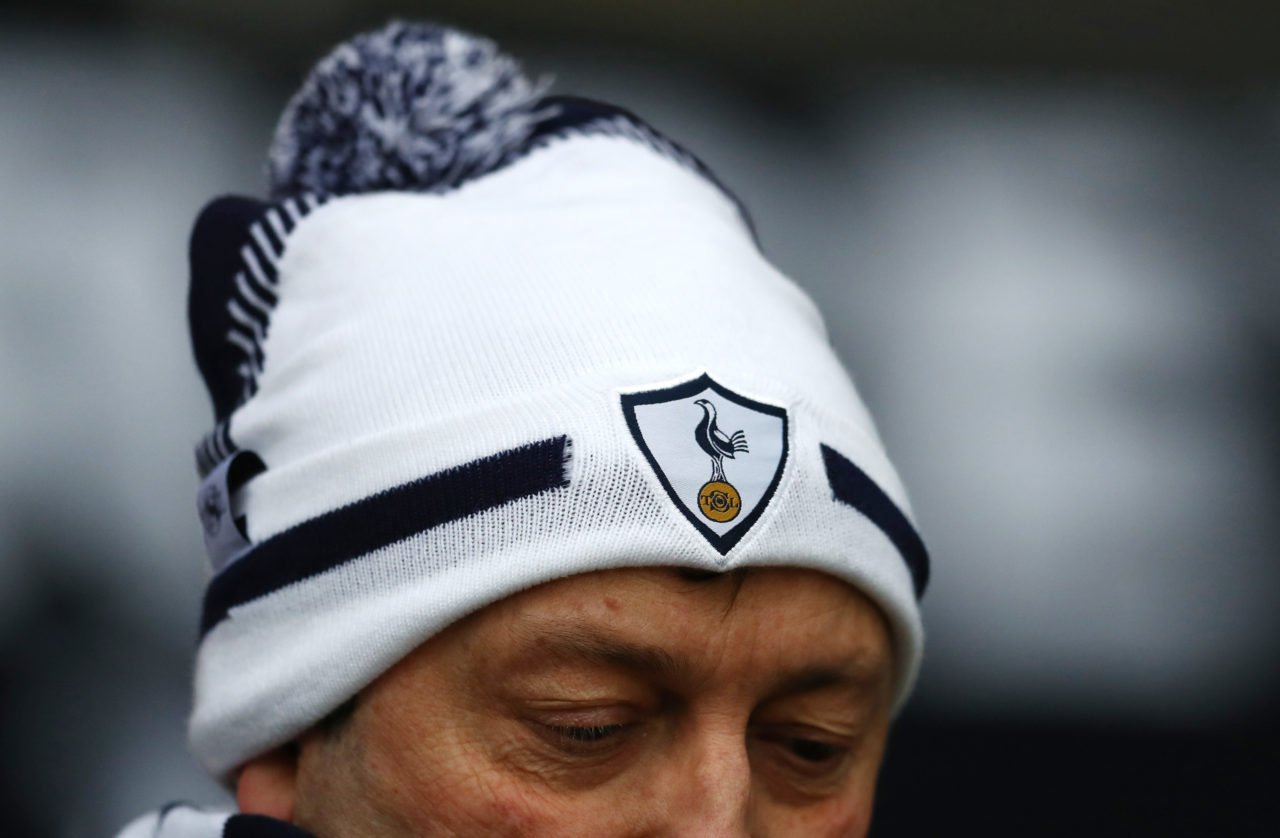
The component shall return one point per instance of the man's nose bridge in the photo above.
(716, 782)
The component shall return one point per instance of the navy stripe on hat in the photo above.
(852, 486)
(337, 537)
(235, 249)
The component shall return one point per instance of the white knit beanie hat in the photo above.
(482, 338)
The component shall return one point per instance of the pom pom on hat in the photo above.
(410, 106)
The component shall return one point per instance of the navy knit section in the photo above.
(852, 486)
(219, 233)
(236, 246)
(337, 537)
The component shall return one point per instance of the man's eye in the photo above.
(811, 750)
(812, 757)
(587, 734)
(585, 740)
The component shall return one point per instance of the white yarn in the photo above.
(417, 332)
(177, 822)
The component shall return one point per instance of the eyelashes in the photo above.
(807, 759)
(588, 742)
(812, 750)
(609, 737)
(812, 753)
(585, 734)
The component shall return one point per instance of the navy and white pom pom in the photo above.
(411, 106)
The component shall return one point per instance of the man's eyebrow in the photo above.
(570, 642)
(859, 674)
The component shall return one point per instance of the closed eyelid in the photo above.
(829, 707)
(586, 663)
(587, 733)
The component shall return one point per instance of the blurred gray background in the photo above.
(1046, 239)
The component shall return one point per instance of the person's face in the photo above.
(624, 702)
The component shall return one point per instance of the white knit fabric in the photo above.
(177, 822)
(418, 332)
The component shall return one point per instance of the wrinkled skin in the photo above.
(619, 703)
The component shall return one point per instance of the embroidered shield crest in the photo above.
(719, 455)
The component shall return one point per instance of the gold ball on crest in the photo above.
(719, 501)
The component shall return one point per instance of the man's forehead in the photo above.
(808, 630)
(800, 667)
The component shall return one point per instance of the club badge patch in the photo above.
(719, 455)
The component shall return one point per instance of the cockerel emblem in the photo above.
(742, 481)
(718, 499)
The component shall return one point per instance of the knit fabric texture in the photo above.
(574, 360)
